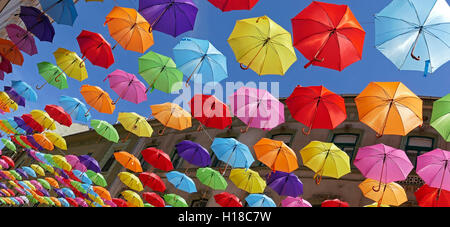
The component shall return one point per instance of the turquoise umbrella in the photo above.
(62, 11)
(232, 152)
(259, 200)
(181, 181)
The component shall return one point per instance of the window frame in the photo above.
(420, 150)
(200, 200)
(355, 145)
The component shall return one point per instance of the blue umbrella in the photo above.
(24, 90)
(22, 173)
(232, 152)
(68, 192)
(14, 200)
(75, 108)
(259, 200)
(29, 171)
(23, 184)
(15, 126)
(64, 202)
(82, 176)
(62, 11)
(199, 57)
(181, 181)
(41, 157)
(413, 34)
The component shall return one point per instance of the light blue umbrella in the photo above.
(29, 171)
(68, 192)
(75, 108)
(15, 126)
(233, 152)
(24, 90)
(414, 34)
(199, 58)
(23, 184)
(62, 11)
(259, 200)
(15, 201)
(41, 157)
(82, 176)
(64, 202)
(181, 181)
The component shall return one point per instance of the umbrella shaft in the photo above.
(160, 15)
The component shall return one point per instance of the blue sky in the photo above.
(216, 26)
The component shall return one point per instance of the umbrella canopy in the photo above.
(71, 64)
(62, 11)
(229, 5)
(276, 155)
(8, 160)
(226, 199)
(233, 152)
(14, 96)
(181, 181)
(10, 52)
(53, 75)
(411, 34)
(10, 145)
(440, 119)
(131, 181)
(34, 143)
(259, 200)
(391, 194)
(248, 180)
(174, 200)
(6, 102)
(29, 171)
(334, 203)
(75, 163)
(21, 123)
(389, 108)
(257, 108)
(102, 192)
(328, 35)
(295, 202)
(135, 124)
(194, 153)
(127, 86)
(97, 98)
(325, 159)
(43, 141)
(210, 111)
(160, 72)
(30, 121)
(22, 38)
(90, 163)
(172, 17)
(81, 176)
(433, 167)
(119, 202)
(211, 178)
(128, 161)
(37, 23)
(52, 182)
(199, 58)
(62, 162)
(105, 129)
(44, 183)
(152, 181)
(285, 184)
(97, 178)
(171, 115)
(75, 108)
(24, 90)
(95, 48)
(57, 140)
(154, 199)
(256, 41)
(58, 114)
(129, 29)
(427, 196)
(132, 198)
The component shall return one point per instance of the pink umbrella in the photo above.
(37, 184)
(20, 191)
(110, 202)
(384, 163)
(257, 108)
(22, 39)
(127, 86)
(61, 181)
(433, 167)
(75, 163)
(4, 164)
(295, 202)
(81, 202)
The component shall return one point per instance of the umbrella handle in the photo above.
(317, 178)
(379, 135)
(40, 87)
(200, 128)
(161, 132)
(378, 189)
(313, 60)
(244, 67)
(306, 132)
(244, 130)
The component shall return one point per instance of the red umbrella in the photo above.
(316, 107)
(154, 199)
(157, 158)
(334, 203)
(8, 160)
(11, 192)
(5, 65)
(226, 199)
(427, 196)
(328, 35)
(210, 111)
(95, 48)
(25, 140)
(13, 138)
(228, 5)
(72, 176)
(152, 181)
(120, 202)
(32, 123)
(72, 202)
(59, 114)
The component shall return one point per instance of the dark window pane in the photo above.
(346, 142)
(417, 145)
(177, 161)
(199, 203)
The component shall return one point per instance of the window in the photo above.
(199, 203)
(177, 161)
(346, 142)
(417, 145)
(109, 162)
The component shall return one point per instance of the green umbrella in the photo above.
(47, 167)
(175, 200)
(51, 203)
(148, 205)
(96, 178)
(21, 142)
(50, 160)
(6, 123)
(9, 144)
(160, 72)
(53, 75)
(15, 174)
(105, 129)
(440, 117)
(78, 186)
(44, 183)
(211, 178)
(3, 202)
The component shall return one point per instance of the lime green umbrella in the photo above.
(148, 205)
(211, 178)
(47, 167)
(160, 72)
(53, 75)
(7, 125)
(50, 202)
(9, 144)
(50, 160)
(21, 142)
(44, 183)
(96, 178)
(78, 186)
(175, 200)
(15, 174)
(105, 129)
(440, 117)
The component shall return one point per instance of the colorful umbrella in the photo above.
(295, 202)
(53, 75)
(133, 198)
(334, 203)
(62, 162)
(128, 161)
(211, 178)
(9, 51)
(433, 167)
(427, 196)
(136, 124)
(97, 99)
(232, 152)
(181, 181)
(24, 90)
(14, 96)
(210, 111)
(440, 116)
(21, 123)
(119, 202)
(154, 199)
(22, 38)
(37, 23)
(276, 155)
(171, 115)
(38, 169)
(95, 48)
(131, 181)
(257, 108)
(62, 11)
(97, 178)
(58, 114)
(259, 200)
(91, 164)
(153, 181)
(10, 145)
(226, 199)
(200, 58)
(52, 182)
(106, 130)
(391, 194)
(175, 200)
(229, 5)
(248, 180)
(194, 153)
(259, 40)
(389, 108)
(29, 120)
(172, 17)
(102, 192)
(71, 64)
(57, 140)
(75, 108)
(43, 141)
(285, 184)
(127, 86)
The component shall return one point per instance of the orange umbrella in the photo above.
(276, 155)
(128, 161)
(97, 98)
(129, 29)
(56, 201)
(52, 182)
(102, 192)
(171, 115)
(9, 50)
(389, 108)
(42, 140)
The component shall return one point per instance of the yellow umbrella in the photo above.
(30, 185)
(47, 167)
(325, 159)
(62, 162)
(43, 119)
(262, 45)
(12, 183)
(131, 181)
(376, 205)
(391, 194)
(171, 115)
(57, 140)
(71, 64)
(6, 102)
(133, 198)
(38, 169)
(248, 180)
(135, 124)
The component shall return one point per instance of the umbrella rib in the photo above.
(435, 36)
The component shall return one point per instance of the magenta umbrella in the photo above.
(4, 164)
(383, 163)
(110, 202)
(295, 202)
(81, 202)
(75, 163)
(257, 108)
(127, 86)
(22, 39)
(434, 168)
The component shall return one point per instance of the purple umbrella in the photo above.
(37, 23)
(172, 17)
(90, 163)
(59, 192)
(23, 39)
(14, 95)
(61, 173)
(75, 163)
(2, 185)
(127, 86)
(22, 173)
(21, 123)
(285, 183)
(434, 168)
(34, 143)
(194, 153)
(295, 202)
(3, 176)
